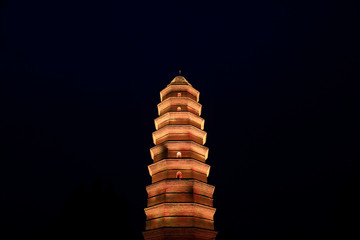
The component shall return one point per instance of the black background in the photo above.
(80, 81)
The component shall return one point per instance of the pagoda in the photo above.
(180, 202)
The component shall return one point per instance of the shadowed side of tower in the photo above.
(180, 202)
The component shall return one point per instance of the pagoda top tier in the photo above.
(178, 86)
(179, 80)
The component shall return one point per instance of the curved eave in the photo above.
(175, 88)
(171, 164)
(179, 116)
(179, 129)
(179, 146)
(180, 209)
(175, 101)
(180, 186)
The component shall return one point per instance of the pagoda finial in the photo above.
(180, 72)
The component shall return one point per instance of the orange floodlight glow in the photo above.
(180, 202)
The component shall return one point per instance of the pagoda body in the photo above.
(180, 202)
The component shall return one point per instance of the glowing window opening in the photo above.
(179, 175)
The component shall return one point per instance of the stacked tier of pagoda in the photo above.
(180, 202)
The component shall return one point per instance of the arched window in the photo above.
(179, 94)
(179, 109)
(179, 175)
(178, 154)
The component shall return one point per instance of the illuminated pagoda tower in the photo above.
(180, 202)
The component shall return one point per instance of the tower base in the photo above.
(179, 234)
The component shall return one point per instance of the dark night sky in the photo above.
(80, 81)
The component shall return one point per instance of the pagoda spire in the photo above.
(180, 202)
